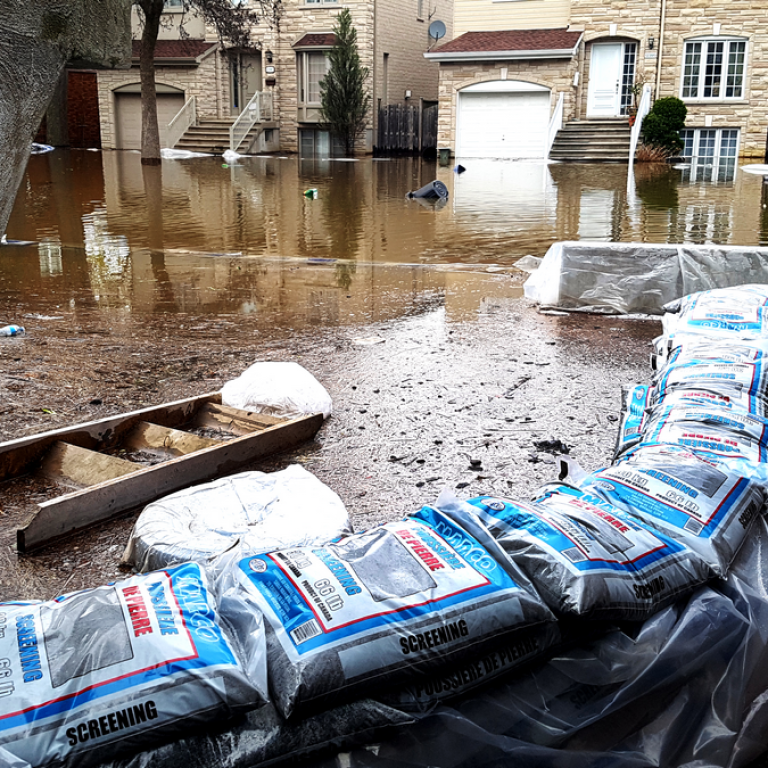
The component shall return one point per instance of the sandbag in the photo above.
(635, 401)
(714, 432)
(380, 607)
(739, 312)
(277, 389)
(587, 558)
(254, 511)
(748, 378)
(704, 504)
(101, 673)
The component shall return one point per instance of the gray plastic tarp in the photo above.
(638, 278)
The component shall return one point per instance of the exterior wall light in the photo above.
(651, 43)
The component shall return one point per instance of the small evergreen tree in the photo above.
(344, 98)
(662, 125)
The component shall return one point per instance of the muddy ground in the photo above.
(419, 404)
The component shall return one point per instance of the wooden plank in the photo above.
(80, 467)
(234, 420)
(174, 442)
(66, 514)
(17, 457)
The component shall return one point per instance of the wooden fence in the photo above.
(407, 128)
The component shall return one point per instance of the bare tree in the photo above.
(234, 22)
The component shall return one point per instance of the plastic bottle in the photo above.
(311, 193)
(12, 330)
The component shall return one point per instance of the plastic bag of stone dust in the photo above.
(587, 558)
(107, 671)
(254, 511)
(707, 505)
(740, 312)
(379, 608)
(277, 389)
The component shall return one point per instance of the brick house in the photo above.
(285, 66)
(512, 61)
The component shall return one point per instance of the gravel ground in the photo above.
(420, 403)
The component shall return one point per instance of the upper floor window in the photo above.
(321, 2)
(313, 67)
(169, 5)
(714, 69)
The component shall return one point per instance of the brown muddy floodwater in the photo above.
(143, 286)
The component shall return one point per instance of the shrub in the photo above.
(648, 153)
(662, 125)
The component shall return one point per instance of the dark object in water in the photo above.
(434, 190)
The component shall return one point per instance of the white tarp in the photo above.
(631, 278)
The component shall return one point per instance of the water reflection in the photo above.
(201, 235)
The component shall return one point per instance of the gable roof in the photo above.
(178, 52)
(316, 40)
(510, 44)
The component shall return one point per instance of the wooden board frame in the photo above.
(64, 515)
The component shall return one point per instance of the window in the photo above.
(321, 2)
(171, 5)
(313, 66)
(714, 69)
(712, 153)
(628, 76)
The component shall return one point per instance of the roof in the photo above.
(177, 51)
(316, 40)
(510, 44)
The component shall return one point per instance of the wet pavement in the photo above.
(441, 373)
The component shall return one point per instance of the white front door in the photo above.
(604, 92)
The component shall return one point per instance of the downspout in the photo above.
(662, 21)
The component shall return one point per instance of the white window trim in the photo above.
(302, 71)
(727, 40)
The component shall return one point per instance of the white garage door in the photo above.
(503, 125)
(128, 117)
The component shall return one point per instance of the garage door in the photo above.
(128, 116)
(503, 125)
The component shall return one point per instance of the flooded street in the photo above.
(138, 287)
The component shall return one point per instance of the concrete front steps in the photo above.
(211, 135)
(584, 141)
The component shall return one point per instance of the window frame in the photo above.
(302, 75)
(701, 70)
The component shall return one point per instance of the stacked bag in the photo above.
(317, 641)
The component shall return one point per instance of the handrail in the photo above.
(555, 124)
(184, 118)
(258, 109)
(642, 110)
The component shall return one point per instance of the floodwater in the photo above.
(200, 235)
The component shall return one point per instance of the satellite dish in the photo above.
(437, 29)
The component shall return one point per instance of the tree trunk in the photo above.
(37, 39)
(150, 131)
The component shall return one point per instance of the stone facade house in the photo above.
(512, 62)
(285, 66)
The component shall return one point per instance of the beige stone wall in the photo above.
(555, 74)
(191, 80)
(298, 19)
(685, 19)
(491, 15)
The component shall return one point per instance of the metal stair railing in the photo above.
(184, 119)
(257, 110)
(555, 124)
